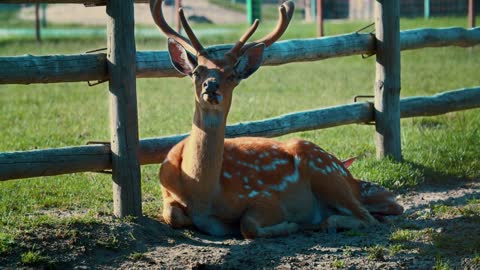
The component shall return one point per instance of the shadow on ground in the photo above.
(419, 239)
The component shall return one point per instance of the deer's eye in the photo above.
(232, 78)
(195, 74)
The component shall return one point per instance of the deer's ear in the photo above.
(250, 61)
(184, 62)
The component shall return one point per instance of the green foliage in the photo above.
(395, 249)
(441, 264)
(338, 264)
(6, 243)
(64, 114)
(109, 242)
(476, 260)
(376, 253)
(34, 258)
(137, 256)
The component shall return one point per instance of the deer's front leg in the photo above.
(174, 213)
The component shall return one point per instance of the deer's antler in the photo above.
(285, 15)
(193, 45)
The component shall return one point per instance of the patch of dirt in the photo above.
(79, 14)
(150, 244)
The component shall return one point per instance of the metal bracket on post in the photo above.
(356, 99)
(372, 33)
(99, 81)
(102, 143)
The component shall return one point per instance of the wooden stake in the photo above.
(319, 18)
(121, 57)
(387, 80)
(37, 23)
(178, 24)
(471, 13)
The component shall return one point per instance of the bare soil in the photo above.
(79, 14)
(150, 244)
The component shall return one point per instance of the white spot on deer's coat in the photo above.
(227, 175)
(264, 154)
(251, 166)
(293, 178)
(241, 196)
(296, 173)
(247, 187)
(319, 160)
(266, 193)
(273, 166)
(245, 179)
(253, 194)
(260, 182)
(312, 165)
(329, 169)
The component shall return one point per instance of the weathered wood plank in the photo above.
(26, 164)
(456, 100)
(439, 37)
(53, 68)
(387, 79)
(127, 199)
(155, 64)
(56, 161)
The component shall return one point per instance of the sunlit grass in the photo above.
(55, 115)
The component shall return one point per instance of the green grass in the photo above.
(339, 264)
(34, 258)
(441, 264)
(55, 115)
(376, 253)
(471, 209)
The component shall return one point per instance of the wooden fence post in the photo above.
(319, 15)
(37, 23)
(387, 79)
(178, 24)
(471, 13)
(121, 57)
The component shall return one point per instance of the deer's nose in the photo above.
(210, 92)
(210, 86)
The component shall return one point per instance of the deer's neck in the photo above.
(203, 152)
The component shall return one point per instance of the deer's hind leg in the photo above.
(265, 219)
(338, 195)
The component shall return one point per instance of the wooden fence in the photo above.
(122, 64)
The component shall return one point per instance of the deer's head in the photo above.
(215, 79)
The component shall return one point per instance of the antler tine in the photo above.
(157, 14)
(193, 38)
(235, 51)
(285, 15)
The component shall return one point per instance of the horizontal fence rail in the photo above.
(26, 164)
(90, 67)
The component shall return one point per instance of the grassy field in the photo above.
(55, 115)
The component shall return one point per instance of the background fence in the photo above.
(122, 64)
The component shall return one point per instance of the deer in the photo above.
(251, 186)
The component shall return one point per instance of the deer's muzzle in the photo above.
(210, 92)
